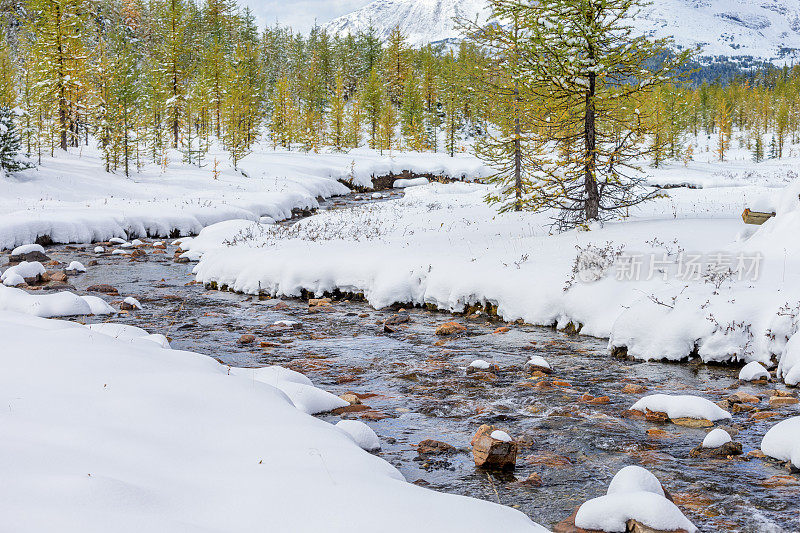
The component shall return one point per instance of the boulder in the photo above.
(29, 256)
(350, 398)
(450, 328)
(633, 388)
(247, 338)
(728, 449)
(493, 449)
(58, 276)
(434, 447)
(316, 302)
(103, 288)
(777, 401)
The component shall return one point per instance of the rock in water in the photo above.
(492, 448)
(434, 447)
(104, 288)
(450, 328)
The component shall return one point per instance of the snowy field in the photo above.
(106, 430)
(681, 276)
(71, 199)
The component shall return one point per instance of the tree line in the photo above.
(563, 100)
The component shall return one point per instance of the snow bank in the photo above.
(51, 305)
(298, 388)
(636, 494)
(716, 438)
(782, 441)
(681, 406)
(361, 434)
(441, 245)
(753, 371)
(104, 435)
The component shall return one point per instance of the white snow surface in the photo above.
(27, 248)
(728, 28)
(442, 245)
(752, 371)
(71, 199)
(76, 266)
(103, 435)
(362, 434)
(297, 388)
(716, 438)
(538, 360)
(56, 304)
(633, 478)
(499, 434)
(480, 364)
(682, 406)
(782, 441)
(130, 300)
(634, 493)
(24, 269)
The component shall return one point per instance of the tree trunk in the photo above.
(517, 152)
(592, 202)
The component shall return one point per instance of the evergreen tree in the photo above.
(10, 143)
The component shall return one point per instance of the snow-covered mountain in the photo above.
(764, 29)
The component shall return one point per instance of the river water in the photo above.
(416, 387)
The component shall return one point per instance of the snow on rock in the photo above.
(793, 376)
(12, 279)
(716, 438)
(131, 303)
(612, 512)
(128, 436)
(480, 364)
(99, 249)
(502, 436)
(136, 242)
(119, 251)
(76, 266)
(413, 182)
(537, 360)
(297, 387)
(27, 248)
(362, 434)
(681, 406)
(753, 371)
(97, 305)
(117, 240)
(782, 441)
(791, 356)
(634, 478)
(24, 269)
(47, 305)
(636, 494)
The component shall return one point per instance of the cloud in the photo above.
(300, 15)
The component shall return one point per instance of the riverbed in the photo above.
(415, 386)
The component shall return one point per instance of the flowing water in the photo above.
(416, 387)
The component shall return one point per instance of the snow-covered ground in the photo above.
(105, 429)
(71, 199)
(681, 276)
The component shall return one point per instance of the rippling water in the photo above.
(419, 390)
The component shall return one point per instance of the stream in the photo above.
(415, 386)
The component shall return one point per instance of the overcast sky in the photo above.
(300, 14)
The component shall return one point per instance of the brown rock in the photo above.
(352, 408)
(435, 447)
(534, 369)
(316, 302)
(160, 246)
(30, 257)
(655, 416)
(138, 253)
(394, 320)
(568, 525)
(492, 453)
(58, 276)
(777, 401)
(502, 329)
(482, 375)
(103, 288)
(758, 454)
(741, 407)
(93, 262)
(780, 480)
(450, 328)
(247, 338)
(692, 422)
(548, 459)
(350, 398)
(280, 306)
(729, 449)
(533, 480)
(743, 397)
(180, 259)
(633, 388)
(763, 415)
(632, 526)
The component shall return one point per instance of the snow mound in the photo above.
(362, 434)
(413, 182)
(634, 478)
(681, 406)
(133, 302)
(300, 390)
(634, 493)
(99, 249)
(97, 305)
(793, 376)
(272, 375)
(117, 240)
(716, 438)
(782, 441)
(48, 305)
(791, 356)
(753, 371)
(27, 248)
(12, 279)
(76, 266)
(480, 364)
(538, 360)
(24, 269)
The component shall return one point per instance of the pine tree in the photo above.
(8, 88)
(284, 111)
(396, 66)
(10, 143)
(337, 114)
(372, 104)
